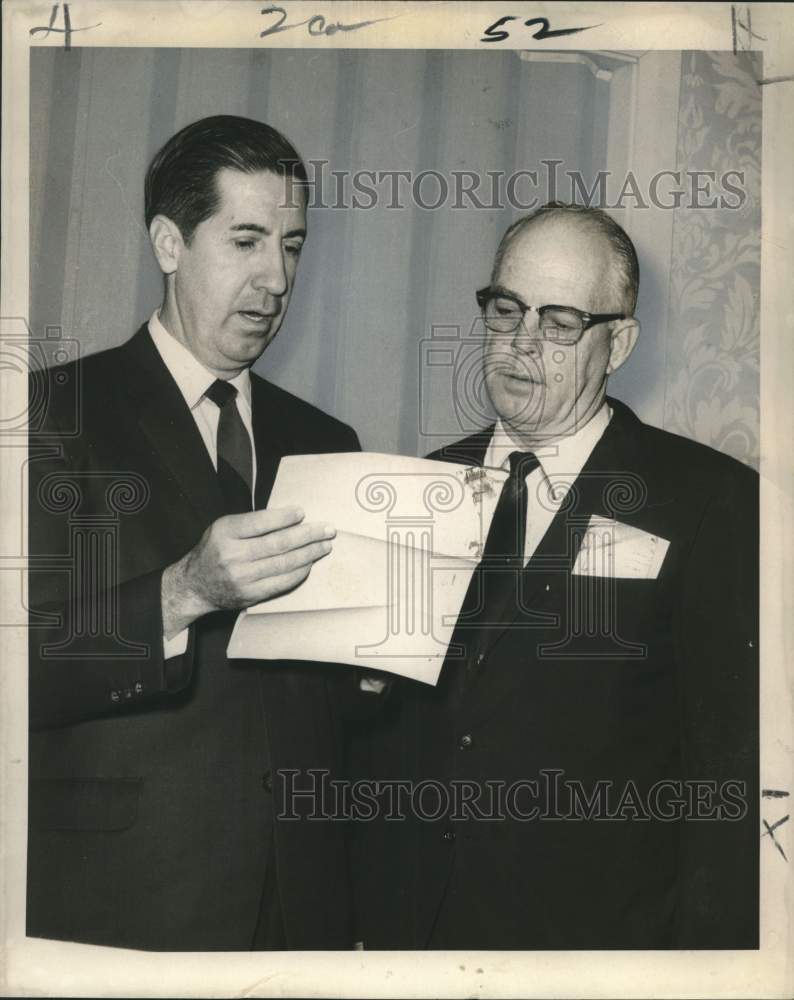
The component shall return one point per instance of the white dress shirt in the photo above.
(561, 462)
(193, 380)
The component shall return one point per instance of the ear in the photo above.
(622, 339)
(167, 243)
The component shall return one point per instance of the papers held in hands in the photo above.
(409, 535)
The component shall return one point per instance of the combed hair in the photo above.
(598, 220)
(180, 181)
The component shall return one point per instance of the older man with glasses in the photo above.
(592, 740)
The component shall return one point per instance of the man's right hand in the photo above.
(242, 559)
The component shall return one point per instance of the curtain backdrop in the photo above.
(382, 327)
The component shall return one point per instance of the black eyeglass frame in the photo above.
(588, 320)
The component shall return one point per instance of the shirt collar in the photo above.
(192, 378)
(564, 457)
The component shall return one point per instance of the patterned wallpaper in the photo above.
(713, 358)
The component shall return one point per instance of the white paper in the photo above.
(612, 549)
(409, 535)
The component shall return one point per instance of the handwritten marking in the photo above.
(770, 829)
(745, 26)
(774, 79)
(774, 826)
(744, 44)
(492, 34)
(315, 25)
(67, 30)
(773, 793)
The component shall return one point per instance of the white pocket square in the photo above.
(617, 550)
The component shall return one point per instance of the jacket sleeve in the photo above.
(716, 632)
(95, 646)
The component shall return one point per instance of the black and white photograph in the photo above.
(397, 499)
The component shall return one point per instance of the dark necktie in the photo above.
(496, 580)
(504, 545)
(235, 459)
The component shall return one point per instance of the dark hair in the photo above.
(625, 255)
(180, 181)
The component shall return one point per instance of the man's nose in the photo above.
(527, 338)
(270, 272)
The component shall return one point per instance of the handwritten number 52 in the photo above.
(545, 30)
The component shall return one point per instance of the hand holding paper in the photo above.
(242, 559)
(409, 535)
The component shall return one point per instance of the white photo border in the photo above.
(40, 967)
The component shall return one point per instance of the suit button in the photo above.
(267, 781)
(448, 836)
(465, 741)
(115, 695)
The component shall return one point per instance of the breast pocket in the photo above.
(109, 804)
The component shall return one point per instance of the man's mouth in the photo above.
(520, 375)
(257, 316)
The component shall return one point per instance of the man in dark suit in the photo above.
(153, 806)
(590, 751)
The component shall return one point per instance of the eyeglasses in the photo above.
(504, 313)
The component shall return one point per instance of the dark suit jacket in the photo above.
(627, 681)
(152, 796)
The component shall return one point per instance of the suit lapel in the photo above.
(271, 438)
(174, 440)
(469, 451)
(168, 426)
